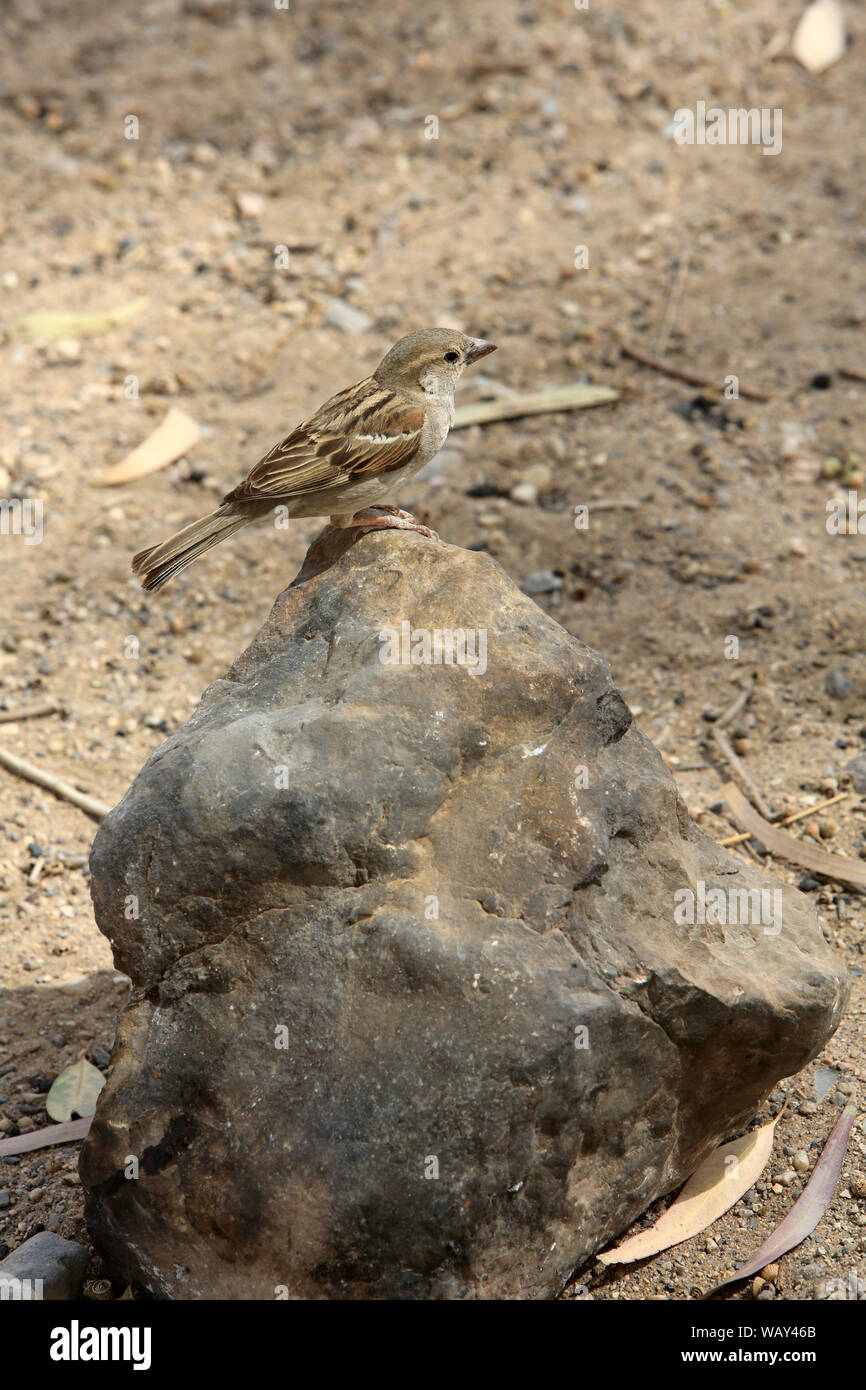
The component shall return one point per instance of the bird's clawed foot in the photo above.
(371, 519)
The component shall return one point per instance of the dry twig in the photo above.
(11, 716)
(98, 809)
(680, 374)
(724, 747)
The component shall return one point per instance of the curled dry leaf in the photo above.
(713, 1188)
(177, 433)
(809, 1206)
(785, 846)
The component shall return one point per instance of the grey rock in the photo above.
(414, 1014)
(347, 318)
(838, 685)
(541, 582)
(5, 1198)
(58, 1263)
(857, 768)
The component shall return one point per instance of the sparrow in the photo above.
(358, 447)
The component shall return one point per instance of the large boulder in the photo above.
(435, 985)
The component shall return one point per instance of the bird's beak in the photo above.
(480, 348)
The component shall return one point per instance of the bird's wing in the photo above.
(358, 433)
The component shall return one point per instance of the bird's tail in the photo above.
(161, 563)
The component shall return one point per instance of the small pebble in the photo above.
(838, 685)
(857, 768)
(65, 350)
(349, 320)
(524, 493)
(541, 582)
(539, 474)
(250, 204)
(800, 1161)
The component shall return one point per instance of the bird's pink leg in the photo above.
(391, 510)
(370, 519)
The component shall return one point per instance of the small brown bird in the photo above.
(359, 446)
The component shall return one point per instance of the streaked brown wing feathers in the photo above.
(360, 432)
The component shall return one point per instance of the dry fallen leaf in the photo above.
(75, 1091)
(61, 323)
(550, 402)
(41, 1138)
(809, 1206)
(712, 1189)
(819, 38)
(785, 846)
(177, 433)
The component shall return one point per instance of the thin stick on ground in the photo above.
(789, 820)
(673, 300)
(91, 804)
(614, 504)
(11, 716)
(724, 747)
(680, 374)
(736, 708)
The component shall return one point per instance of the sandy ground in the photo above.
(259, 128)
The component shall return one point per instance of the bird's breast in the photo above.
(438, 420)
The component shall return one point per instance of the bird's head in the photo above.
(431, 361)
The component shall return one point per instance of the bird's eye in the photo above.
(452, 356)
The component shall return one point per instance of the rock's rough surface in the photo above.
(413, 1014)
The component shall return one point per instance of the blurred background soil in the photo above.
(307, 128)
